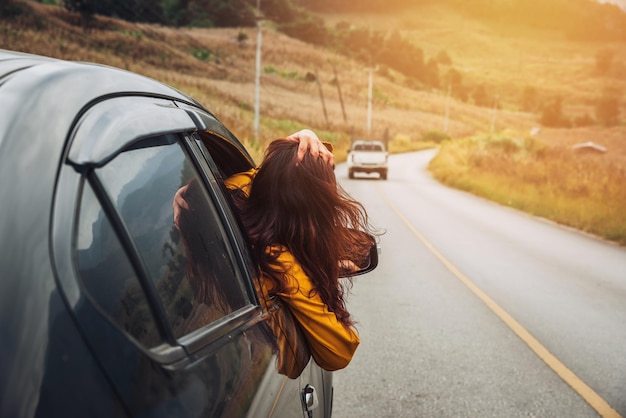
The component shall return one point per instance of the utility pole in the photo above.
(343, 108)
(445, 121)
(369, 99)
(319, 86)
(494, 113)
(257, 78)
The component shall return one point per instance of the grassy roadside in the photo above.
(582, 190)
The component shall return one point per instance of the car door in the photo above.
(169, 310)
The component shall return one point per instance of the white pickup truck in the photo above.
(367, 157)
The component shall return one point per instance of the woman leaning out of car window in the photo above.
(302, 226)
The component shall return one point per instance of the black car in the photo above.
(98, 315)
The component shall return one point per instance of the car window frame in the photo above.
(207, 156)
(225, 326)
(72, 175)
(210, 332)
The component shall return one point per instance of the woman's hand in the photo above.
(179, 204)
(348, 266)
(309, 142)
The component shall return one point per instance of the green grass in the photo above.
(270, 69)
(400, 145)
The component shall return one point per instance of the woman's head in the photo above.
(296, 198)
(301, 207)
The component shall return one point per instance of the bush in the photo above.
(481, 97)
(443, 58)
(134, 11)
(530, 100)
(552, 115)
(604, 61)
(607, 108)
(431, 73)
(310, 29)
(506, 144)
(242, 38)
(435, 136)
(203, 54)
(584, 120)
(11, 9)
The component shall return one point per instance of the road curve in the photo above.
(478, 310)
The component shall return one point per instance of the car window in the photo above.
(190, 264)
(228, 159)
(368, 147)
(222, 159)
(107, 274)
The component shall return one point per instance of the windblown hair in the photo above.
(301, 207)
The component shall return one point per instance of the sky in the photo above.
(620, 3)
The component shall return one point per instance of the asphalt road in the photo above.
(478, 310)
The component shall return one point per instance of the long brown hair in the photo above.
(302, 208)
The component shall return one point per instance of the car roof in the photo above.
(102, 79)
(30, 86)
(368, 141)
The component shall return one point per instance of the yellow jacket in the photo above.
(331, 344)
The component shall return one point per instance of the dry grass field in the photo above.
(218, 70)
(582, 189)
(225, 81)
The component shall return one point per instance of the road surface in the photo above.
(478, 310)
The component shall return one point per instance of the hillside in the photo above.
(216, 66)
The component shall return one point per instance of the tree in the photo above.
(529, 99)
(281, 11)
(454, 77)
(131, 10)
(431, 73)
(310, 29)
(552, 114)
(604, 61)
(481, 98)
(607, 108)
(454, 81)
(86, 8)
(403, 56)
(218, 13)
(11, 8)
(443, 58)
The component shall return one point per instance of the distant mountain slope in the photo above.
(509, 73)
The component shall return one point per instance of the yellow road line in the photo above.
(587, 393)
(280, 391)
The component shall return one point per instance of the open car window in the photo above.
(224, 158)
(189, 264)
